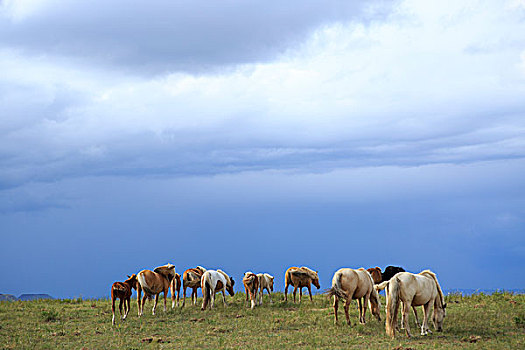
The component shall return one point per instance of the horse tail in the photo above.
(144, 285)
(392, 301)
(336, 289)
(206, 291)
(381, 286)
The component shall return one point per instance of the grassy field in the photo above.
(481, 321)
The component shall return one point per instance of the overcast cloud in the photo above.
(295, 95)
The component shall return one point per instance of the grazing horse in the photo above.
(375, 272)
(175, 287)
(349, 284)
(215, 281)
(251, 285)
(123, 291)
(153, 283)
(390, 272)
(265, 282)
(300, 277)
(414, 290)
(192, 279)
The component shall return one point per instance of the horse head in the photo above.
(375, 304)
(315, 280)
(132, 280)
(270, 283)
(438, 316)
(229, 287)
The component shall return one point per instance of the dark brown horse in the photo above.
(375, 272)
(300, 277)
(123, 291)
(175, 288)
(191, 278)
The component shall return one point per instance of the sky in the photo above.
(257, 135)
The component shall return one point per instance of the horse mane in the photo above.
(433, 276)
(228, 280)
(311, 273)
(268, 275)
(201, 268)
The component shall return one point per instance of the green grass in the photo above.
(481, 321)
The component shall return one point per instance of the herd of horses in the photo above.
(402, 288)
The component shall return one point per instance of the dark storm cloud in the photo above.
(163, 36)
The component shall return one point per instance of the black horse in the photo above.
(390, 271)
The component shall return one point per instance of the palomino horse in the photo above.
(349, 284)
(215, 281)
(251, 285)
(300, 277)
(265, 282)
(192, 279)
(175, 288)
(123, 291)
(153, 283)
(414, 290)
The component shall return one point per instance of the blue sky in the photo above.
(256, 135)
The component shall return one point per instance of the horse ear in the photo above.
(128, 276)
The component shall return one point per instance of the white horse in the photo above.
(265, 282)
(215, 281)
(414, 290)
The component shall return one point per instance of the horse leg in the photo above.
(194, 296)
(139, 293)
(246, 292)
(426, 313)
(155, 303)
(127, 307)
(286, 292)
(415, 315)
(143, 301)
(294, 293)
(402, 316)
(172, 288)
(120, 306)
(360, 307)
(405, 312)
(300, 294)
(365, 303)
(347, 306)
(113, 309)
(310, 292)
(260, 296)
(212, 299)
(224, 298)
(165, 295)
(336, 306)
(270, 295)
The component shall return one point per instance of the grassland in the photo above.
(481, 321)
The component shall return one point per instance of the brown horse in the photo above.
(349, 284)
(153, 283)
(300, 277)
(251, 285)
(175, 288)
(192, 278)
(123, 291)
(375, 272)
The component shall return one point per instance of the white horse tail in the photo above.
(144, 285)
(381, 286)
(392, 306)
(336, 287)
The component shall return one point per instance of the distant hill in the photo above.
(34, 296)
(8, 297)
